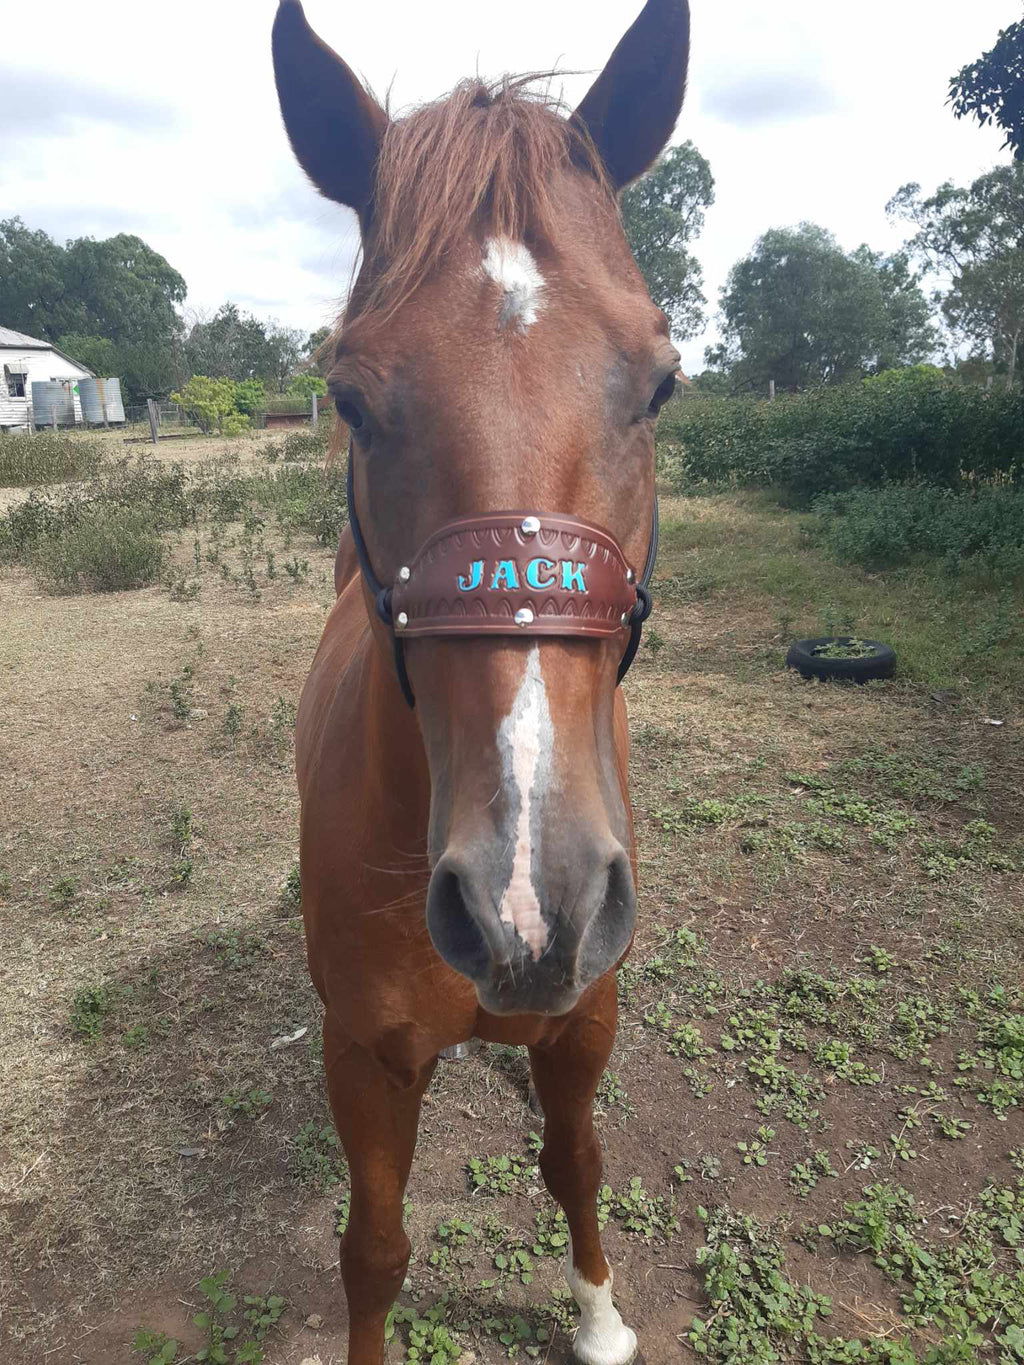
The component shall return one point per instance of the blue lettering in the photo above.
(533, 571)
(472, 581)
(572, 576)
(505, 575)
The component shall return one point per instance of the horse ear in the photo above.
(333, 123)
(632, 107)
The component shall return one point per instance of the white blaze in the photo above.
(510, 265)
(602, 1338)
(524, 741)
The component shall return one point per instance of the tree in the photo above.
(95, 353)
(973, 238)
(318, 360)
(118, 290)
(237, 345)
(991, 89)
(285, 350)
(229, 345)
(800, 311)
(662, 213)
(908, 334)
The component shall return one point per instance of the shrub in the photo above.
(305, 384)
(105, 551)
(46, 457)
(250, 396)
(311, 499)
(901, 426)
(307, 445)
(876, 527)
(211, 404)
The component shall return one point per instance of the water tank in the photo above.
(49, 400)
(94, 393)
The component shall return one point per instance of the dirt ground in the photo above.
(151, 1133)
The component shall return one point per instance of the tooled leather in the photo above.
(433, 603)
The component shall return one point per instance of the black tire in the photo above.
(880, 663)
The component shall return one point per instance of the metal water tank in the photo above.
(94, 393)
(50, 400)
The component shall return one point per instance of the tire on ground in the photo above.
(880, 663)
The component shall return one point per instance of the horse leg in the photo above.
(566, 1074)
(376, 1113)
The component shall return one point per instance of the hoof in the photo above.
(601, 1353)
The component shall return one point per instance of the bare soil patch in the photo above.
(831, 885)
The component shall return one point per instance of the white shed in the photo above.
(23, 360)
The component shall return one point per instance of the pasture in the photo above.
(814, 1119)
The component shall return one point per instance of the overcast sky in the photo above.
(161, 120)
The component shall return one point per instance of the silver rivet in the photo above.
(530, 526)
(404, 574)
(523, 617)
(402, 619)
(624, 618)
(630, 576)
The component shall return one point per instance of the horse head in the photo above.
(500, 366)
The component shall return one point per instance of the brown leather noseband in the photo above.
(512, 573)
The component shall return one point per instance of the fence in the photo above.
(167, 420)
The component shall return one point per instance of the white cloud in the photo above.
(164, 121)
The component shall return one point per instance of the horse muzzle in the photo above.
(532, 949)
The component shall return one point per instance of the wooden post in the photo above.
(771, 390)
(314, 416)
(53, 416)
(153, 415)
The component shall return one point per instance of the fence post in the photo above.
(314, 416)
(771, 390)
(53, 416)
(152, 409)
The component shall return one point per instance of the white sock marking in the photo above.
(524, 740)
(602, 1337)
(510, 265)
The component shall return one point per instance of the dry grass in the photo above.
(124, 1176)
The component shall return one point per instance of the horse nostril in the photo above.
(455, 932)
(607, 935)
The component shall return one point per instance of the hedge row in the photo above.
(904, 426)
(977, 530)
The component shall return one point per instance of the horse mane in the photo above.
(483, 155)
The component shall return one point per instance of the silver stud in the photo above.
(523, 617)
(530, 526)
(630, 576)
(402, 619)
(624, 618)
(404, 574)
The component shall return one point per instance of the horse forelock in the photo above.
(483, 157)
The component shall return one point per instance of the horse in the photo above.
(467, 857)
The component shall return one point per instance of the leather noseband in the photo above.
(512, 573)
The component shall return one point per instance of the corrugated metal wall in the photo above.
(38, 366)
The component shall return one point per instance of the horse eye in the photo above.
(662, 394)
(348, 412)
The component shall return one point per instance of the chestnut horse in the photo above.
(468, 861)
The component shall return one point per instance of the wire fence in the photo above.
(176, 417)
